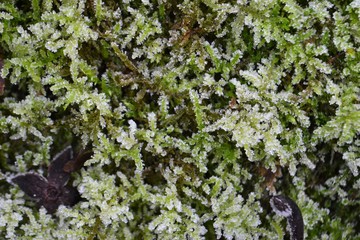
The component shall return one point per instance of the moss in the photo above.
(192, 110)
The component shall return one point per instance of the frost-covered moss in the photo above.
(192, 108)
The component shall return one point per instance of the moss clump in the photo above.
(192, 110)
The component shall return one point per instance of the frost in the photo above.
(191, 108)
(353, 162)
(355, 4)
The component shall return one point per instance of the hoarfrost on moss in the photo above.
(191, 109)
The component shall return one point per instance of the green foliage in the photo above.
(184, 103)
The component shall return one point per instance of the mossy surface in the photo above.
(196, 111)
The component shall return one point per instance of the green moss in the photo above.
(190, 107)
